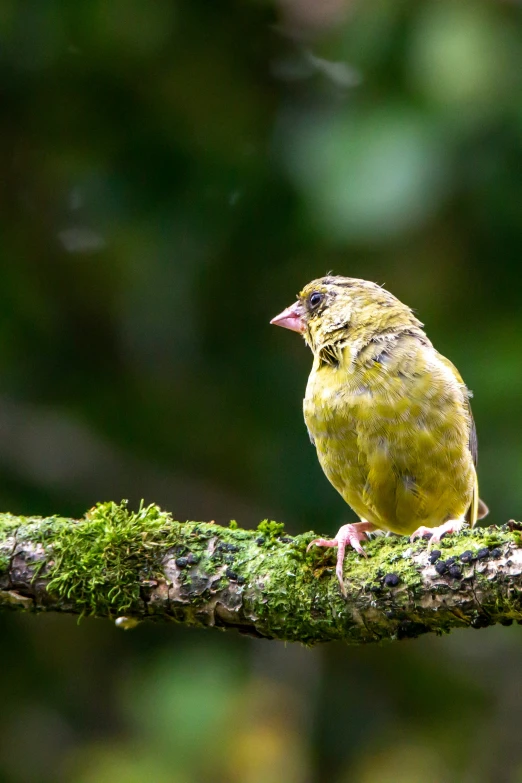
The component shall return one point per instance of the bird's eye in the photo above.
(315, 299)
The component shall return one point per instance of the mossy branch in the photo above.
(132, 566)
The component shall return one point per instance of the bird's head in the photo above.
(335, 308)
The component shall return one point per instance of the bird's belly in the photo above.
(395, 472)
(332, 422)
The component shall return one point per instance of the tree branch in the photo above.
(132, 566)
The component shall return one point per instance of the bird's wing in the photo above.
(472, 442)
(477, 509)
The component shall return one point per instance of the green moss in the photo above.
(384, 556)
(4, 563)
(271, 529)
(98, 564)
(9, 524)
(478, 538)
(517, 537)
(95, 561)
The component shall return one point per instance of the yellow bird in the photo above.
(389, 416)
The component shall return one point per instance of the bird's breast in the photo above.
(334, 399)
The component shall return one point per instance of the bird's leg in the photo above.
(451, 526)
(347, 534)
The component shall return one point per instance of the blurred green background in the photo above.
(171, 175)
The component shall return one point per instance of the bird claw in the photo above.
(451, 526)
(347, 535)
(322, 542)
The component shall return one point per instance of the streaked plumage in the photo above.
(389, 415)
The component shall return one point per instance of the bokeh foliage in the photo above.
(172, 174)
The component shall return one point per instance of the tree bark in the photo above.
(132, 566)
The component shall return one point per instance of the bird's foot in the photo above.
(350, 535)
(451, 526)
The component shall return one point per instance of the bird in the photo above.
(389, 416)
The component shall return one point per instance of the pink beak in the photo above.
(290, 319)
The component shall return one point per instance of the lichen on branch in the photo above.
(136, 565)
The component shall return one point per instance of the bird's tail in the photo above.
(477, 508)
